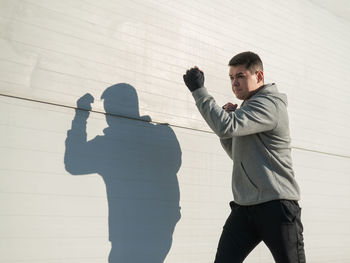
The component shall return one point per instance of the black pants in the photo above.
(277, 223)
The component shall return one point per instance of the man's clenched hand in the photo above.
(194, 79)
(229, 107)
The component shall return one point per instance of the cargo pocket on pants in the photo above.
(290, 218)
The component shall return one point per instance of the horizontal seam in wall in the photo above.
(101, 112)
(160, 123)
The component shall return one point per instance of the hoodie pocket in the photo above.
(243, 187)
(249, 179)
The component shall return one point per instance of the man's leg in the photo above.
(238, 237)
(282, 231)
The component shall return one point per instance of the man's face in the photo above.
(243, 82)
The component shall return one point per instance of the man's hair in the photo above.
(250, 60)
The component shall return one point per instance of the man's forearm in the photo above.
(259, 114)
(215, 116)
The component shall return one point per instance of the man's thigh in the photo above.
(238, 237)
(282, 231)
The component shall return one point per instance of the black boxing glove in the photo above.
(194, 79)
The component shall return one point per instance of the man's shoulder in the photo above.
(261, 100)
(270, 96)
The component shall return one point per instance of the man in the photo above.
(256, 137)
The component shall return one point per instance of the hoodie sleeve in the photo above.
(259, 114)
(227, 145)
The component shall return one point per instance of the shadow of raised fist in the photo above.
(85, 102)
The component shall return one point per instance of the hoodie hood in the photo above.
(270, 89)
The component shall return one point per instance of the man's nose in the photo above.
(235, 83)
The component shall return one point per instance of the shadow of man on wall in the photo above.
(138, 161)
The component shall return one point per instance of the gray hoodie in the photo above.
(256, 137)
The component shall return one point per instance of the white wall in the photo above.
(54, 52)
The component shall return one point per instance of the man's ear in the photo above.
(260, 76)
